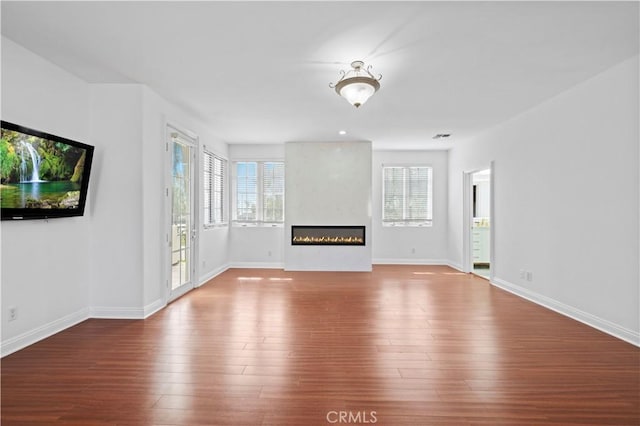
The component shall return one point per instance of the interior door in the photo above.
(182, 233)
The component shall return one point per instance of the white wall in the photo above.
(258, 247)
(213, 242)
(129, 121)
(107, 263)
(412, 245)
(483, 198)
(116, 215)
(154, 168)
(566, 201)
(250, 246)
(45, 264)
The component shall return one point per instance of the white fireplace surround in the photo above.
(327, 184)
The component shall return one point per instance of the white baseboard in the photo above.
(23, 340)
(28, 338)
(591, 320)
(455, 266)
(257, 265)
(409, 262)
(109, 312)
(212, 274)
(305, 268)
(153, 307)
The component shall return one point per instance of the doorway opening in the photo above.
(481, 223)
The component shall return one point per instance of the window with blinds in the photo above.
(407, 196)
(273, 192)
(214, 170)
(246, 192)
(259, 192)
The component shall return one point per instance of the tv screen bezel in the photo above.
(26, 213)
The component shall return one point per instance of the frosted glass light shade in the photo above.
(356, 90)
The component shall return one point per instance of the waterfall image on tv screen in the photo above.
(41, 172)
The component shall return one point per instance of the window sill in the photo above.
(216, 226)
(407, 225)
(257, 225)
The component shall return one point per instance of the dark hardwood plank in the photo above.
(412, 345)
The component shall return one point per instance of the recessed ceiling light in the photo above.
(342, 132)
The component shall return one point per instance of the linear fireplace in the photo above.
(327, 235)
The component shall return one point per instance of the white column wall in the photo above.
(327, 184)
(116, 229)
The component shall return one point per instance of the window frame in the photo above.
(260, 195)
(406, 221)
(209, 160)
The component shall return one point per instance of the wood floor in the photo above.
(403, 345)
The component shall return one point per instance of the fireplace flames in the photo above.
(322, 235)
(328, 240)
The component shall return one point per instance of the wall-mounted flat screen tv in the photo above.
(42, 176)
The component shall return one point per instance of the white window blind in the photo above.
(246, 192)
(273, 191)
(407, 196)
(259, 192)
(214, 183)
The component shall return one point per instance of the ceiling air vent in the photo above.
(441, 135)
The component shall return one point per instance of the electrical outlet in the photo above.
(13, 313)
(269, 253)
(529, 276)
(413, 251)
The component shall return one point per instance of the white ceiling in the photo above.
(258, 72)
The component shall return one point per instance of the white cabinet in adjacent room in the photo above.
(480, 236)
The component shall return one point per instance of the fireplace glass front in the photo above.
(321, 235)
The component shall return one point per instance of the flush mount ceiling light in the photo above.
(357, 85)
